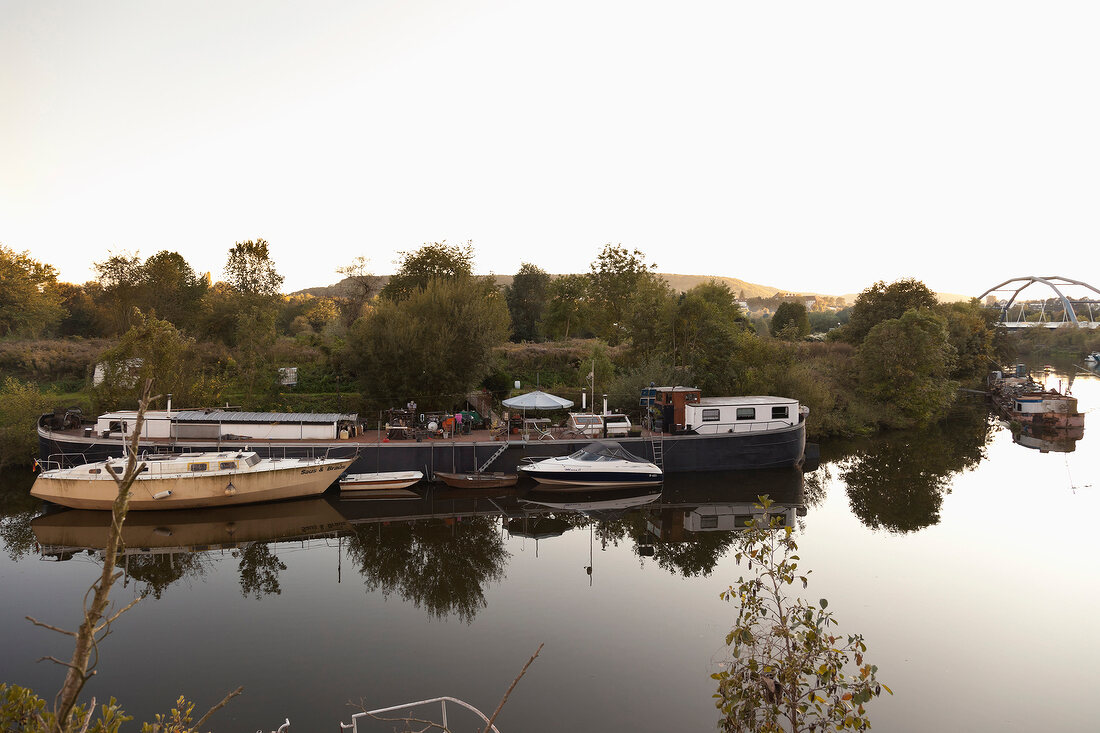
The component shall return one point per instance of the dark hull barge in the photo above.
(773, 446)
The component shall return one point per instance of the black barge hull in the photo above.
(680, 453)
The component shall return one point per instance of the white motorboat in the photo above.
(362, 483)
(190, 480)
(603, 463)
(1093, 358)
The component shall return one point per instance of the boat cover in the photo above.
(606, 450)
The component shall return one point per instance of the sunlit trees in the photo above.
(567, 308)
(434, 261)
(153, 349)
(707, 326)
(29, 304)
(359, 286)
(614, 279)
(250, 272)
(790, 322)
(20, 406)
(905, 366)
(881, 302)
(165, 285)
(434, 345)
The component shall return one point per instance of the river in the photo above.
(965, 559)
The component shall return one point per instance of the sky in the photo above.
(811, 146)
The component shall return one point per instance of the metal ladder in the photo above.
(658, 445)
(503, 447)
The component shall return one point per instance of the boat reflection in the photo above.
(437, 548)
(1053, 440)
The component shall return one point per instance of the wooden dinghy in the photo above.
(477, 480)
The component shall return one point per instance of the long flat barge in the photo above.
(775, 446)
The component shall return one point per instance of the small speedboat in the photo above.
(1093, 358)
(355, 483)
(603, 463)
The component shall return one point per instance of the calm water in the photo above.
(966, 559)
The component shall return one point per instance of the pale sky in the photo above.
(814, 146)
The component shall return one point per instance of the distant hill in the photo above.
(680, 283)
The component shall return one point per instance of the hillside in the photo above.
(678, 282)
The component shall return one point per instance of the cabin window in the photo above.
(746, 413)
(712, 414)
(1019, 407)
(710, 522)
(95, 470)
(198, 466)
(780, 413)
(227, 465)
(114, 469)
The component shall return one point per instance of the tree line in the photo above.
(435, 332)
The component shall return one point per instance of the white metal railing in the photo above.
(373, 714)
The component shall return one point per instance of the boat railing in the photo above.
(374, 715)
(62, 460)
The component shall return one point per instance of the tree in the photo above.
(790, 322)
(905, 364)
(881, 302)
(250, 272)
(707, 326)
(29, 303)
(614, 277)
(436, 345)
(153, 348)
(788, 669)
(254, 339)
(527, 297)
(172, 289)
(971, 329)
(359, 285)
(21, 404)
(434, 261)
(119, 278)
(567, 307)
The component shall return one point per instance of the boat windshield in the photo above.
(606, 450)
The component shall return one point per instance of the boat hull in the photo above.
(367, 482)
(588, 480)
(297, 480)
(681, 453)
(478, 480)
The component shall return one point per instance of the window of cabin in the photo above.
(746, 413)
(710, 522)
(227, 465)
(198, 466)
(712, 414)
(780, 413)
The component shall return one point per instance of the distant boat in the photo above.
(477, 480)
(1094, 357)
(190, 480)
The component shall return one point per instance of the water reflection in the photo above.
(17, 509)
(437, 549)
(897, 481)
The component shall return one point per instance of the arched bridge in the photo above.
(1071, 313)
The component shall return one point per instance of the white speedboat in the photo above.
(190, 480)
(603, 463)
(360, 483)
(1093, 358)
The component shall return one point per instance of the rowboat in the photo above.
(477, 480)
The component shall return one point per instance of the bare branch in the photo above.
(36, 622)
(218, 707)
(489, 725)
(428, 724)
(55, 660)
(88, 718)
(106, 624)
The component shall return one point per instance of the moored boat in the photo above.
(387, 480)
(602, 463)
(478, 480)
(190, 480)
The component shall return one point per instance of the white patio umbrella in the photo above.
(537, 400)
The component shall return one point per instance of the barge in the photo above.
(682, 433)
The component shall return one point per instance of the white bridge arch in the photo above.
(1055, 283)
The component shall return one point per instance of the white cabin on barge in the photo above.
(228, 425)
(753, 414)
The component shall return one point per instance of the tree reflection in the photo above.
(259, 568)
(439, 565)
(694, 557)
(17, 509)
(159, 571)
(897, 482)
